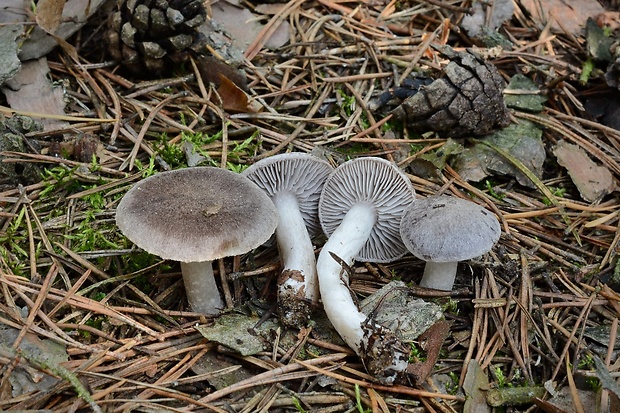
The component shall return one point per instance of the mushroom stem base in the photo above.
(439, 275)
(200, 287)
(382, 352)
(294, 308)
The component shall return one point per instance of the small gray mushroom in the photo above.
(444, 230)
(294, 182)
(195, 216)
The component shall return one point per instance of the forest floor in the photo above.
(88, 322)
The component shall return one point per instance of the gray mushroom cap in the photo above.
(196, 214)
(448, 229)
(373, 181)
(300, 174)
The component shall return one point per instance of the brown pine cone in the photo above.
(466, 101)
(151, 34)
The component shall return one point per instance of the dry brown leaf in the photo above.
(609, 19)
(233, 98)
(244, 26)
(592, 181)
(49, 14)
(572, 14)
(211, 68)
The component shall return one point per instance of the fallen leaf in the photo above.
(607, 382)
(224, 370)
(14, 11)
(547, 407)
(25, 379)
(244, 26)
(572, 14)
(523, 94)
(238, 332)
(8, 52)
(270, 8)
(440, 157)
(75, 15)
(233, 98)
(562, 402)
(393, 307)
(192, 155)
(605, 108)
(211, 68)
(487, 17)
(598, 43)
(49, 14)
(592, 181)
(522, 140)
(31, 90)
(475, 385)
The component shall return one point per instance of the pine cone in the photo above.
(466, 101)
(151, 34)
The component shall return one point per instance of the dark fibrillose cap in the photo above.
(377, 182)
(300, 174)
(448, 229)
(196, 214)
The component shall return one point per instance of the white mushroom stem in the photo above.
(201, 289)
(439, 275)
(346, 242)
(296, 250)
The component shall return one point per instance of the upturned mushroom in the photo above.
(294, 182)
(195, 216)
(360, 210)
(444, 230)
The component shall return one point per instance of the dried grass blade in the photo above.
(577, 404)
(10, 112)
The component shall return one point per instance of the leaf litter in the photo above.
(120, 314)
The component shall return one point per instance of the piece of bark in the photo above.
(592, 181)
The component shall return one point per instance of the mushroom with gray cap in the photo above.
(444, 230)
(294, 182)
(360, 210)
(195, 216)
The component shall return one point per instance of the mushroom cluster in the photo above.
(366, 207)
